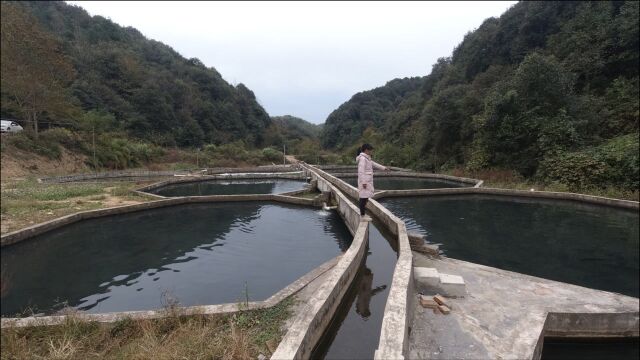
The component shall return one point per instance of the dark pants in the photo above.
(363, 205)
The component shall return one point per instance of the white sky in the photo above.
(306, 58)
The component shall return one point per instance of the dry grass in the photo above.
(241, 335)
(508, 179)
(27, 202)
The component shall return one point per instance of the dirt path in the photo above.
(291, 159)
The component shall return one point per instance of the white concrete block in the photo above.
(452, 285)
(426, 278)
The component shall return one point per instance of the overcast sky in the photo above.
(307, 58)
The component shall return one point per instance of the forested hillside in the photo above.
(366, 109)
(293, 128)
(549, 89)
(59, 63)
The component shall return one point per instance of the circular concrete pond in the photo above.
(195, 254)
(407, 183)
(230, 187)
(587, 245)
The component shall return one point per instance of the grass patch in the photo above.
(28, 202)
(32, 190)
(242, 335)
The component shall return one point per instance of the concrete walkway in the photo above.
(504, 314)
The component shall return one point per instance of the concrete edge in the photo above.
(231, 176)
(588, 325)
(352, 167)
(591, 199)
(412, 174)
(151, 173)
(273, 300)
(309, 326)
(37, 229)
(142, 193)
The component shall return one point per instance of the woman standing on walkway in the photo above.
(365, 175)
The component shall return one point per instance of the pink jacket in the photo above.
(365, 174)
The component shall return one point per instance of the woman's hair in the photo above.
(364, 147)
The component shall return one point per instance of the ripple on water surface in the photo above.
(582, 244)
(196, 254)
(230, 187)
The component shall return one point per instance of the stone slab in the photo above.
(426, 278)
(452, 285)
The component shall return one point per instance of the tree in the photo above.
(34, 72)
(526, 117)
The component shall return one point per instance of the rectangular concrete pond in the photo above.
(194, 254)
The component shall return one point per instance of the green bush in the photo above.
(270, 154)
(234, 151)
(577, 169)
(621, 155)
(614, 163)
(45, 145)
(120, 153)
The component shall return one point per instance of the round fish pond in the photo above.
(407, 183)
(229, 187)
(192, 254)
(582, 244)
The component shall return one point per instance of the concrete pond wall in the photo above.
(309, 326)
(292, 175)
(590, 199)
(152, 174)
(413, 174)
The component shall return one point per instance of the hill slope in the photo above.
(152, 91)
(365, 109)
(549, 89)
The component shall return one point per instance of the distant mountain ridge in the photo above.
(366, 109)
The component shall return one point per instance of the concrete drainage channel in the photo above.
(393, 329)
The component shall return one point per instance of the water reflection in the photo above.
(365, 292)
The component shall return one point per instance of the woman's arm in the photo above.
(378, 166)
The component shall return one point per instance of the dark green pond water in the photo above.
(231, 187)
(197, 254)
(594, 349)
(591, 246)
(407, 183)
